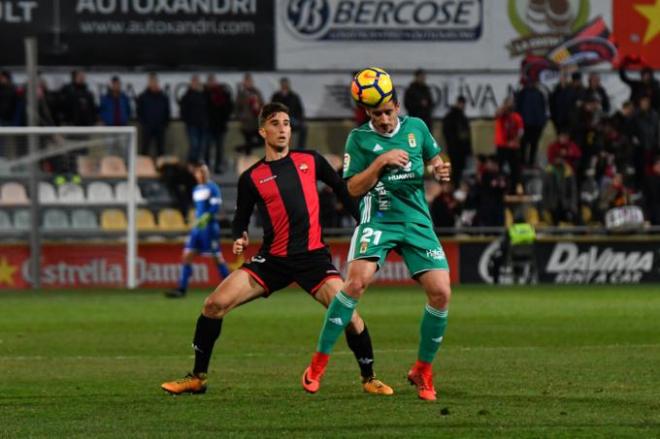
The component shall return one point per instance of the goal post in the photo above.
(57, 142)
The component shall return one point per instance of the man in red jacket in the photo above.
(508, 131)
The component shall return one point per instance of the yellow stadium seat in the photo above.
(113, 219)
(145, 220)
(532, 216)
(171, 220)
(508, 217)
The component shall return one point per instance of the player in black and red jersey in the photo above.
(283, 186)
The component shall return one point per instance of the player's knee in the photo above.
(355, 286)
(215, 307)
(439, 295)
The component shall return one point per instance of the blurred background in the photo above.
(547, 110)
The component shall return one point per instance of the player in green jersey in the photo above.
(384, 165)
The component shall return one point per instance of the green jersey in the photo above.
(398, 197)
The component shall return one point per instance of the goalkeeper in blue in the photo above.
(204, 239)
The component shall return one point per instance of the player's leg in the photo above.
(357, 338)
(337, 318)
(237, 289)
(184, 276)
(427, 262)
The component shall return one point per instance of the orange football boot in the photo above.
(421, 376)
(191, 383)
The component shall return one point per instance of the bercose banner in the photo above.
(232, 34)
(158, 265)
(447, 35)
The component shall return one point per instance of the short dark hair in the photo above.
(461, 99)
(269, 109)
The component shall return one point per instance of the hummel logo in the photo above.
(259, 259)
(377, 148)
(365, 360)
(337, 321)
(197, 349)
(437, 340)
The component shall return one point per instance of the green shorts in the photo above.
(417, 244)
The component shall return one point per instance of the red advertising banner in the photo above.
(637, 30)
(157, 265)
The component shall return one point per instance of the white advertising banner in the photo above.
(446, 35)
(327, 95)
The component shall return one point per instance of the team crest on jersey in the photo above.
(411, 140)
(303, 167)
(363, 246)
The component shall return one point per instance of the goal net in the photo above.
(64, 191)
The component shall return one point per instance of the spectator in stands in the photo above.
(220, 107)
(115, 107)
(490, 190)
(596, 90)
(508, 132)
(293, 102)
(585, 131)
(248, 104)
(646, 123)
(652, 192)
(623, 122)
(531, 104)
(566, 149)
(194, 113)
(78, 106)
(560, 197)
(458, 138)
(180, 182)
(561, 102)
(647, 85)
(590, 193)
(444, 207)
(153, 112)
(47, 102)
(614, 193)
(8, 100)
(418, 99)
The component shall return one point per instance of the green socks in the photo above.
(337, 317)
(432, 331)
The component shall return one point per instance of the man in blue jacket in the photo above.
(115, 108)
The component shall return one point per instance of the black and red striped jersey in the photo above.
(286, 195)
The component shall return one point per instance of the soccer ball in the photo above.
(372, 87)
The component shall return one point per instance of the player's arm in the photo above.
(359, 184)
(245, 201)
(213, 207)
(329, 176)
(431, 155)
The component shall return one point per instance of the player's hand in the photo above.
(442, 171)
(240, 244)
(395, 157)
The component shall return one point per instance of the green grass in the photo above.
(517, 362)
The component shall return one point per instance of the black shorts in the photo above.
(309, 270)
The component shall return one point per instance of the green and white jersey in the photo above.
(398, 197)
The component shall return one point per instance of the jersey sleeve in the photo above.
(245, 201)
(354, 161)
(430, 147)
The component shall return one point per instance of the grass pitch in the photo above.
(516, 362)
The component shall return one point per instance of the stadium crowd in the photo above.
(601, 158)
